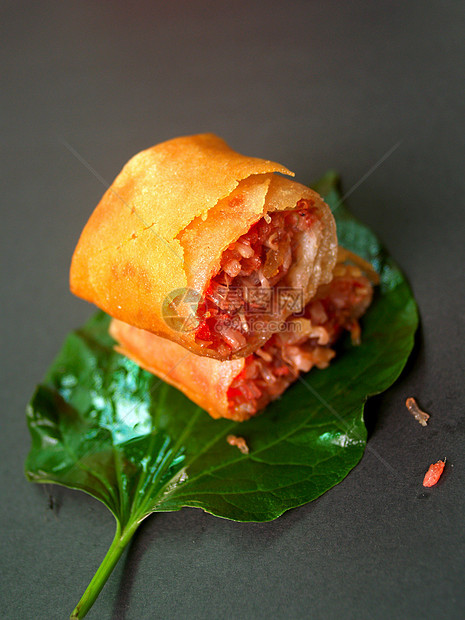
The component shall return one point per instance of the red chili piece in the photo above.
(433, 474)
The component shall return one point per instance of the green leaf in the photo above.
(102, 425)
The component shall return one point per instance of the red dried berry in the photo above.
(434, 473)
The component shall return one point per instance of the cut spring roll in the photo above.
(240, 388)
(191, 233)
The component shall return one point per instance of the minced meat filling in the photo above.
(305, 343)
(259, 259)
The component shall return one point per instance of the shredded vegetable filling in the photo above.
(305, 343)
(258, 260)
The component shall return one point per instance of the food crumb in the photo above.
(418, 414)
(434, 473)
(239, 442)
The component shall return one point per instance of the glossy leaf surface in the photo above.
(102, 425)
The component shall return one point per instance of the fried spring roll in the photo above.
(192, 235)
(240, 388)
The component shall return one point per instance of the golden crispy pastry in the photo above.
(239, 388)
(187, 236)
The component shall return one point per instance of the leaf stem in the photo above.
(120, 541)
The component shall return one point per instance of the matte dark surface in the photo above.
(312, 85)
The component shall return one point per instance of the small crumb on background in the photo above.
(434, 473)
(238, 442)
(421, 416)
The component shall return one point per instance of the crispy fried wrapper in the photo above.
(240, 388)
(204, 380)
(166, 221)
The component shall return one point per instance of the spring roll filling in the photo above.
(306, 342)
(272, 252)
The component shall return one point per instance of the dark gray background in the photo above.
(313, 85)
